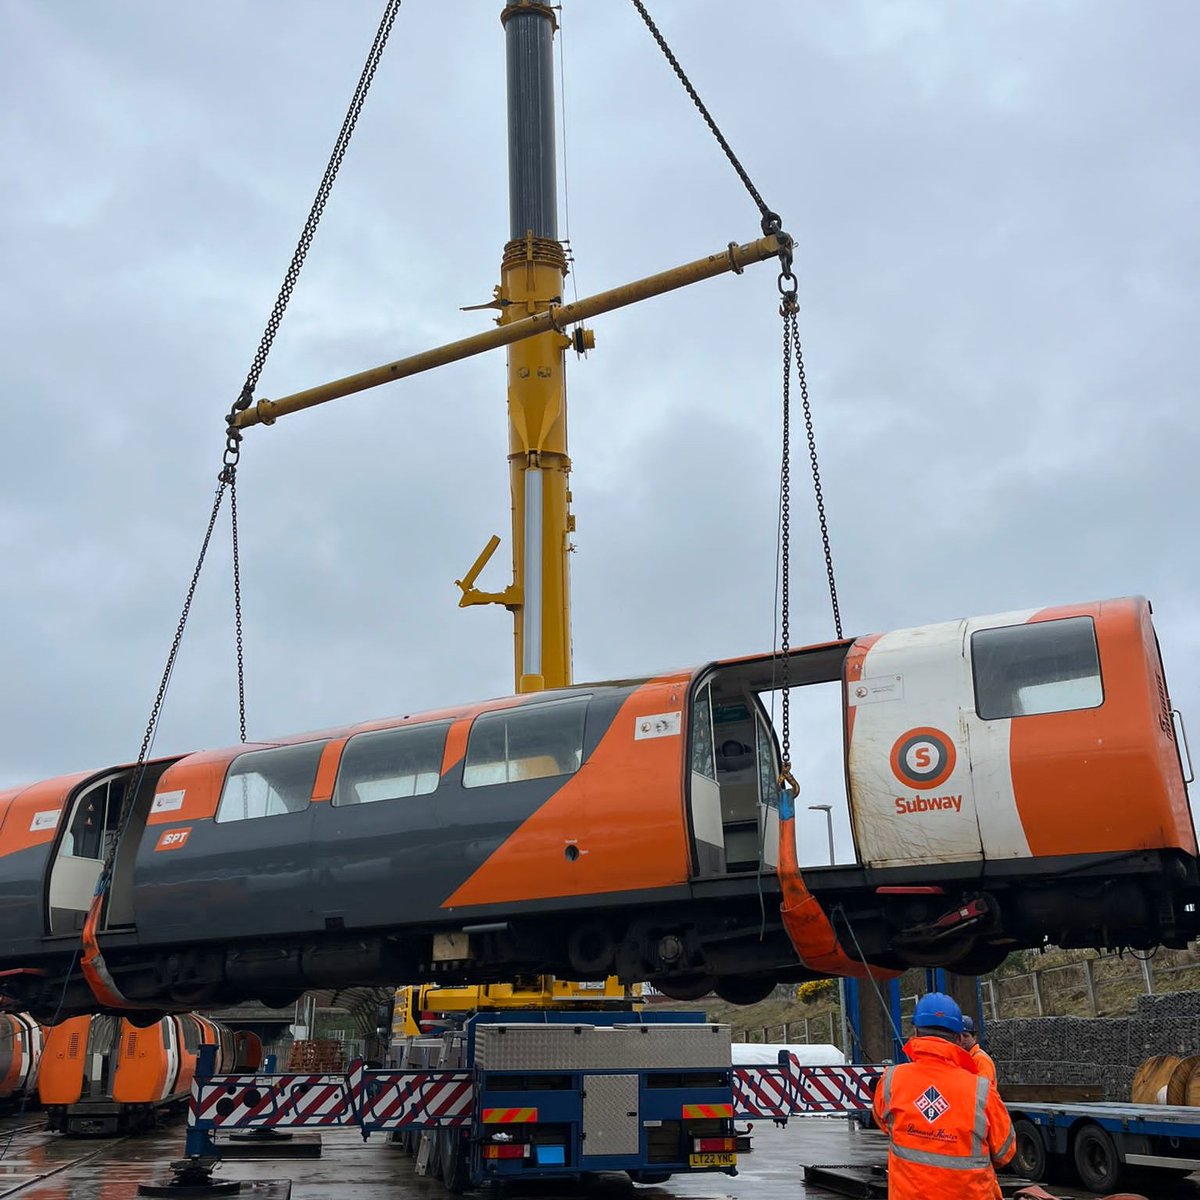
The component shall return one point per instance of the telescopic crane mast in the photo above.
(531, 277)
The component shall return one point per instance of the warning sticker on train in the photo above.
(923, 758)
(658, 725)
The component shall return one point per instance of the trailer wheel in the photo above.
(456, 1162)
(1096, 1159)
(1031, 1157)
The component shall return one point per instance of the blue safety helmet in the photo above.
(938, 1011)
(968, 1024)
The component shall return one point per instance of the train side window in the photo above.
(391, 763)
(191, 1033)
(531, 742)
(264, 783)
(703, 762)
(1045, 667)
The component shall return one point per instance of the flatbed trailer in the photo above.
(1101, 1143)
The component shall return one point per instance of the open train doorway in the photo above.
(88, 836)
(735, 759)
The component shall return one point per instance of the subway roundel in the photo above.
(1009, 780)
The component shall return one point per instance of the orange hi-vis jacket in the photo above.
(984, 1063)
(947, 1127)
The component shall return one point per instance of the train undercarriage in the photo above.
(722, 935)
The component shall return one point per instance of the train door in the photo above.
(733, 772)
(912, 792)
(734, 759)
(175, 1029)
(100, 1056)
(87, 836)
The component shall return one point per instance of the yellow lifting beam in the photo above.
(555, 318)
(534, 324)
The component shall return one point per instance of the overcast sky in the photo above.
(995, 207)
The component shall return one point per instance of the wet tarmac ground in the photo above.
(35, 1165)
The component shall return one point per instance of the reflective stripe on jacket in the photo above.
(984, 1063)
(946, 1125)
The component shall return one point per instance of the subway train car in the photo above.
(102, 1074)
(20, 1055)
(1012, 780)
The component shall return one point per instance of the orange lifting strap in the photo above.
(804, 919)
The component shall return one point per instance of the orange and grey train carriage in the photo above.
(102, 1074)
(1011, 780)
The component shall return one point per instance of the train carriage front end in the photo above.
(1016, 780)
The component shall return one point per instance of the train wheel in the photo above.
(685, 987)
(1031, 1157)
(1096, 1160)
(590, 947)
(744, 989)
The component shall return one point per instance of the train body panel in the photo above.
(1003, 737)
(1009, 779)
(106, 1075)
(29, 822)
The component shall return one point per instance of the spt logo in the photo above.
(923, 758)
(173, 839)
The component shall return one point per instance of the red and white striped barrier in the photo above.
(264, 1101)
(374, 1100)
(791, 1091)
(836, 1089)
(415, 1099)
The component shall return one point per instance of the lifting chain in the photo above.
(789, 308)
(227, 479)
(771, 222)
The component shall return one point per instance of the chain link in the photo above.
(139, 771)
(237, 604)
(227, 479)
(246, 396)
(816, 474)
(789, 308)
(785, 552)
(771, 222)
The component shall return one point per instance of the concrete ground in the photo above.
(38, 1166)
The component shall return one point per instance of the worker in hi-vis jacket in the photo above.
(948, 1130)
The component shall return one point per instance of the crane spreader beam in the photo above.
(732, 258)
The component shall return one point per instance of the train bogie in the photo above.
(1009, 780)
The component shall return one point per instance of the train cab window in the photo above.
(264, 783)
(530, 742)
(390, 764)
(1044, 667)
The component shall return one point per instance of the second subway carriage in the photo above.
(1012, 780)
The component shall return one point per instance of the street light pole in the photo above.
(827, 809)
